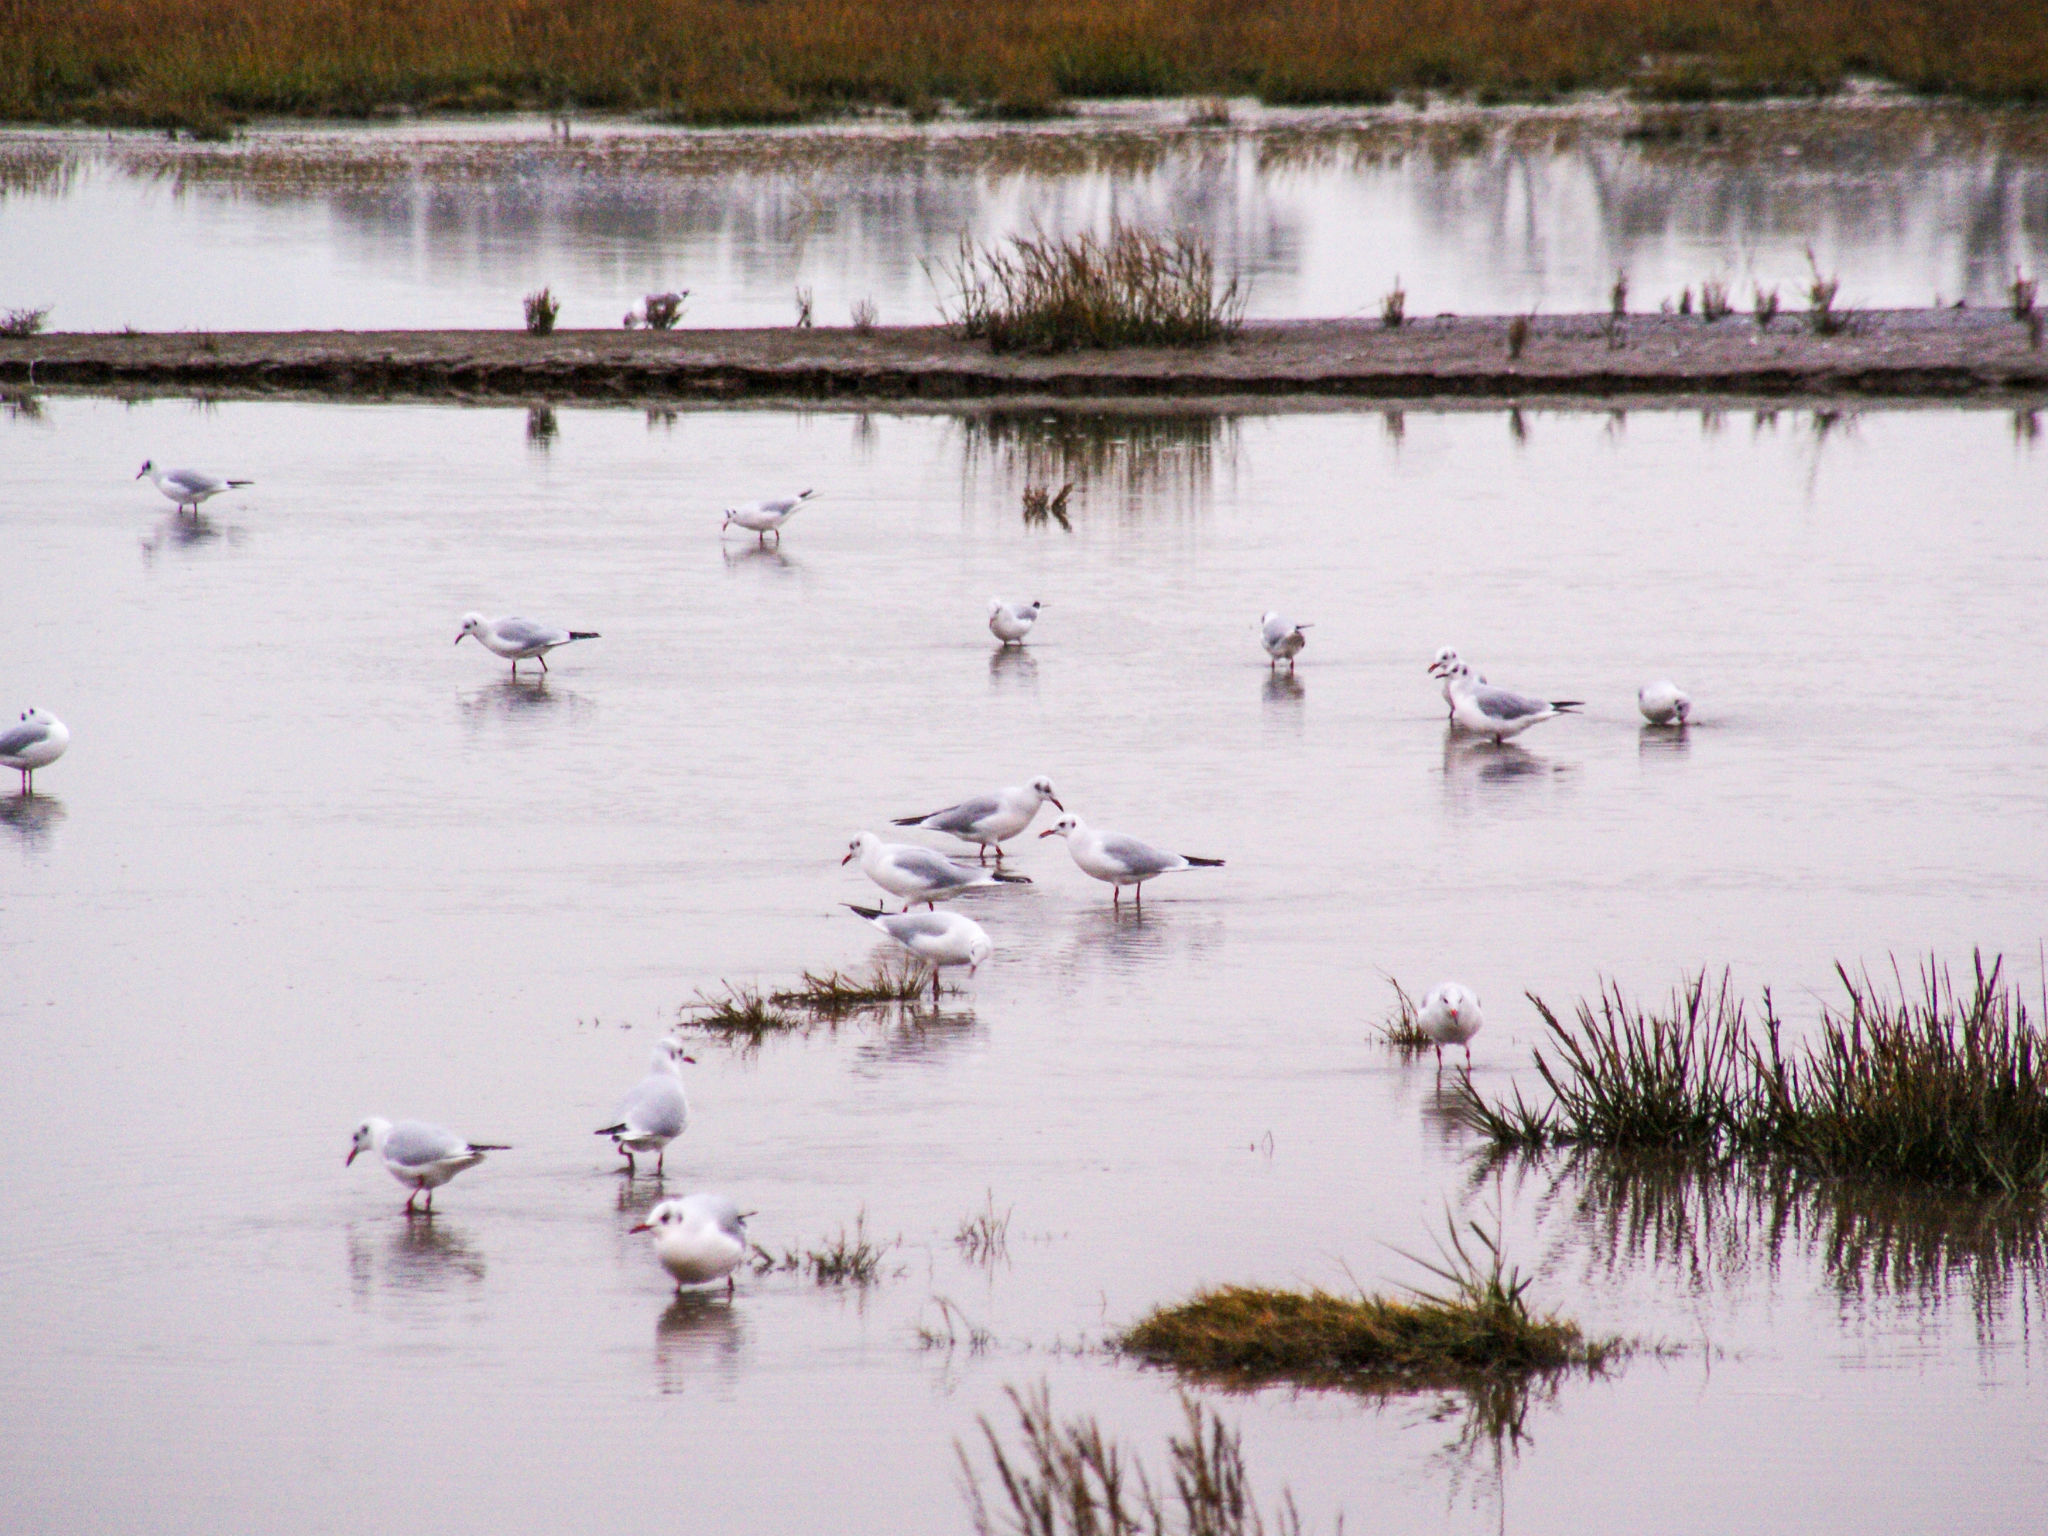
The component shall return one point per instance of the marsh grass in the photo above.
(1129, 287)
(803, 309)
(18, 323)
(984, 1237)
(661, 311)
(954, 1329)
(864, 317)
(1402, 1027)
(886, 981)
(1394, 306)
(739, 1013)
(1072, 1479)
(846, 1258)
(2021, 294)
(1714, 302)
(1518, 336)
(541, 308)
(1946, 1087)
(746, 1015)
(1041, 504)
(1765, 307)
(1822, 317)
(1478, 1323)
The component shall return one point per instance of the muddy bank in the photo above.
(1930, 354)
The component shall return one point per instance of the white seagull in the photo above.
(656, 1112)
(990, 820)
(919, 874)
(1120, 860)
(1011, 622)
(188, 487)
(518, 639)
(1498, 712)
(1283, 641)
(939, 938)
(1440, 666)
(34, 741)
(698, 1239)
(1663, 703)
(765, 517)
(420, 1156)
(1450, 1016)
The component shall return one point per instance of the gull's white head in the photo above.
(369, 1137)
(1042, 787)
(1453, 671)
(861, 843)
(669, 1056)
(472, 624)
(1443, 661)
(1066, 826)
(978, 949)
(669, 1213)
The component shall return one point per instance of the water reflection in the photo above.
(188, 530)
(698, 1333)
(1655, 742)
(524, 698)
(767, 558)
(1283, 696)
(1134, 458)
(32, 818)
(423, 1253)
(1013, 666)
(21, 405)
(541, 427)
(1477, 766)
(920, 1033)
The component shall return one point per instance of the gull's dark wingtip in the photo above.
(489, 1146)
(584, 634)
(1203, 863)
(1566, 706)
(1004, 877)
(906, 821)
(869, 912)
(610, 1130)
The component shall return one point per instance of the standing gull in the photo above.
(1664, 703)
(188, 487)
(1450, 1016)
(1120, 860)
(765, 517)
(519, 639)
(35, 741)
(698, 1239)
(1498, 712)
(1440, 666)
(1011, 622)
(420, 1156)
(656, 1112)
(990, 820)
(938, 938)
(919, 874)
(1283, 640)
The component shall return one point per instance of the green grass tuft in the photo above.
(741, 1013)
(1402, 1028)
(889, 981)
(848, 1258)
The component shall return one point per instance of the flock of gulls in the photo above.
(701, 1239)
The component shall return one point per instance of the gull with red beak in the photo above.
(1450, 1016)
(698, 1239)
(518, 639)
(1121, 860)
(422, 1157)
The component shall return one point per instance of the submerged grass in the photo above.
(887, 981)
(1946, 1087)
(747, 1015)
(1402, 1027)
(848, 1258)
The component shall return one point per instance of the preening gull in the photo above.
(1663, 703)
(1282, 638)
(1011, 622)
(34, 741)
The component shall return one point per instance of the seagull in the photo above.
(35, 741)
(420, 1156)
(765, 517)
(990, 820)
(1663, 703)
(1010, 623)
(519, 639)
(655, 1113)
(942, 938)
(188, 487)
(1440, 666)
(1118, 859)
(1497, 712)
(1450, 1016)
(918, 874)
(698, 1239)
(1283, 641)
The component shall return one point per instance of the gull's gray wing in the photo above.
(1139, 858)
(1503, 704)
(527, 632)
(782, 506)
(935, 868)
(905, 926)
(21, 737)
(722, 1211)
(656, 1106)
(1277, 630)
(965, 816)
(193, 480)
(414, 1145)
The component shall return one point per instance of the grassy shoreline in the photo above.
(205, 64)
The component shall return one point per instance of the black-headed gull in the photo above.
(1282, 638)
(938, 938)
(990, 820)
(1450, 1016)
(188, 487)
(919, 874)
(698, 1239)
(1663, 703)
(1440, 666)
(421, 1157)
(34, 741)
(656, 1112)
(1120, 860)
(1011, 622)
(517, 639)
(765, 517)
(1498, 712)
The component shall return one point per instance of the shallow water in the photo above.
(1322, 213)
(306, 860)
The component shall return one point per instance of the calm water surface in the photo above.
(449, 224)
(306, 860)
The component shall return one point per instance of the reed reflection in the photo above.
(1132, 458)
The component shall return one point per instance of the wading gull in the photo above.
(939, 939)
(1440, 666)
(1118, 859)
(34, 741)
(698, 1239)
(188, 487)
(1497, 712)
(518, 639)
(1283, 640)
(421, 1157)
(1663, 703)
(919, 874)
(656, 1112)
(765, 517)
(1450, 1016)
(990, 820)
(1009, 622)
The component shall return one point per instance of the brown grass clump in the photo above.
(17, 323)
(541, 308)
(889, 981)
(742, 1013)
(1402, 1027)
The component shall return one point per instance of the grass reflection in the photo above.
(1129, 456)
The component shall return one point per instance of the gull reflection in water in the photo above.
(1012, 666)
(759, 557)
(521, 699)
(1663, 741)
(179, 530)
(1477, 766)
(917, 1032)
(424, 1254)
(700, 1333)
(1284, 697)
(31, 817)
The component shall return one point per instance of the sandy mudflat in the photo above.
(1896, 353)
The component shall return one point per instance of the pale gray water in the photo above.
(448, 224)
(307, 860)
